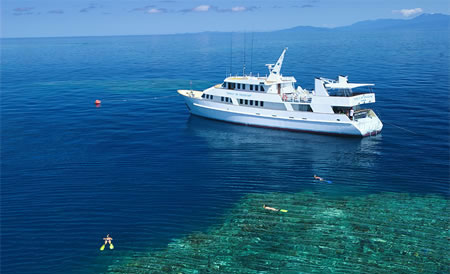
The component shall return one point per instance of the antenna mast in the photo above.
(275, 69)
(243, 68)
(231, 53)
(251, 57)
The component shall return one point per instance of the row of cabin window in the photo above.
(250, 102)
(211, 97)
(226, 99)
(207, 96)
(256, 103)
(238, 86)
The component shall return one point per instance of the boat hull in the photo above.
(283, 120)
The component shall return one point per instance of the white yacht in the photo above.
(333, 107)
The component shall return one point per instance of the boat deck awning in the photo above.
(338, 85)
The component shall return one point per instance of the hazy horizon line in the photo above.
(216, 31)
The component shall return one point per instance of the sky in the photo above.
(54, 18)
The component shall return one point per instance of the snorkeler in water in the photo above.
(107, 240)
(274, 209)
(270, 208)
(321, 179)
(318, 178)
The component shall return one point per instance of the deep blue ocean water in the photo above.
(142, 169)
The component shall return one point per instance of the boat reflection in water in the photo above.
(286, 161)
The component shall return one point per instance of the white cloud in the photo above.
(409, 12)
(202, 8)
(153, 10)
(238, 9)
(205, 8)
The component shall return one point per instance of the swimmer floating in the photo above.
(274, 209)
(317, 178)
(107, 240)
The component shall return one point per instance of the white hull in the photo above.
(274, 102)
(336, 124)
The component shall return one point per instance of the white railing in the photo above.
(295, 97)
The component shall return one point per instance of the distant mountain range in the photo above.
(425, 22)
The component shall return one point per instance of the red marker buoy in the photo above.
(97, 102)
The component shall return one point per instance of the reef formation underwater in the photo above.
(376, 233)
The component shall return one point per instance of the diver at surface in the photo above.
(107, 240)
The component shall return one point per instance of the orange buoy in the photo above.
(98, 102)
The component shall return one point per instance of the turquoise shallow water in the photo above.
(378, 233)
(142, 169)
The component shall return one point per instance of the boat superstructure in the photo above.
(273, 101)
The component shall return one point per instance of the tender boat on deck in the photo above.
(333, 107)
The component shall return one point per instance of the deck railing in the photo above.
(296, 98)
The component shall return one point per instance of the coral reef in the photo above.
(378, 233)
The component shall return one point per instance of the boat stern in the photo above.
(367, 122)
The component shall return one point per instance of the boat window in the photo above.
(300, 107)
(262, 103)
(256, 103)
(243, 86)
(241, 101)
(221, 98)
(239, 86)
(262, 88)
(251, 102)
(342, 110)
(256, 88)
(224, 84)
(203, 95)
(251, 87)
(246, 101)
(226, 99)
(211, 97)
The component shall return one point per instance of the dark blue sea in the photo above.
(142, 169)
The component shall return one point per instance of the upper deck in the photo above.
(258, 84)
(276, 88)
(257, 80)
(341, 87)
